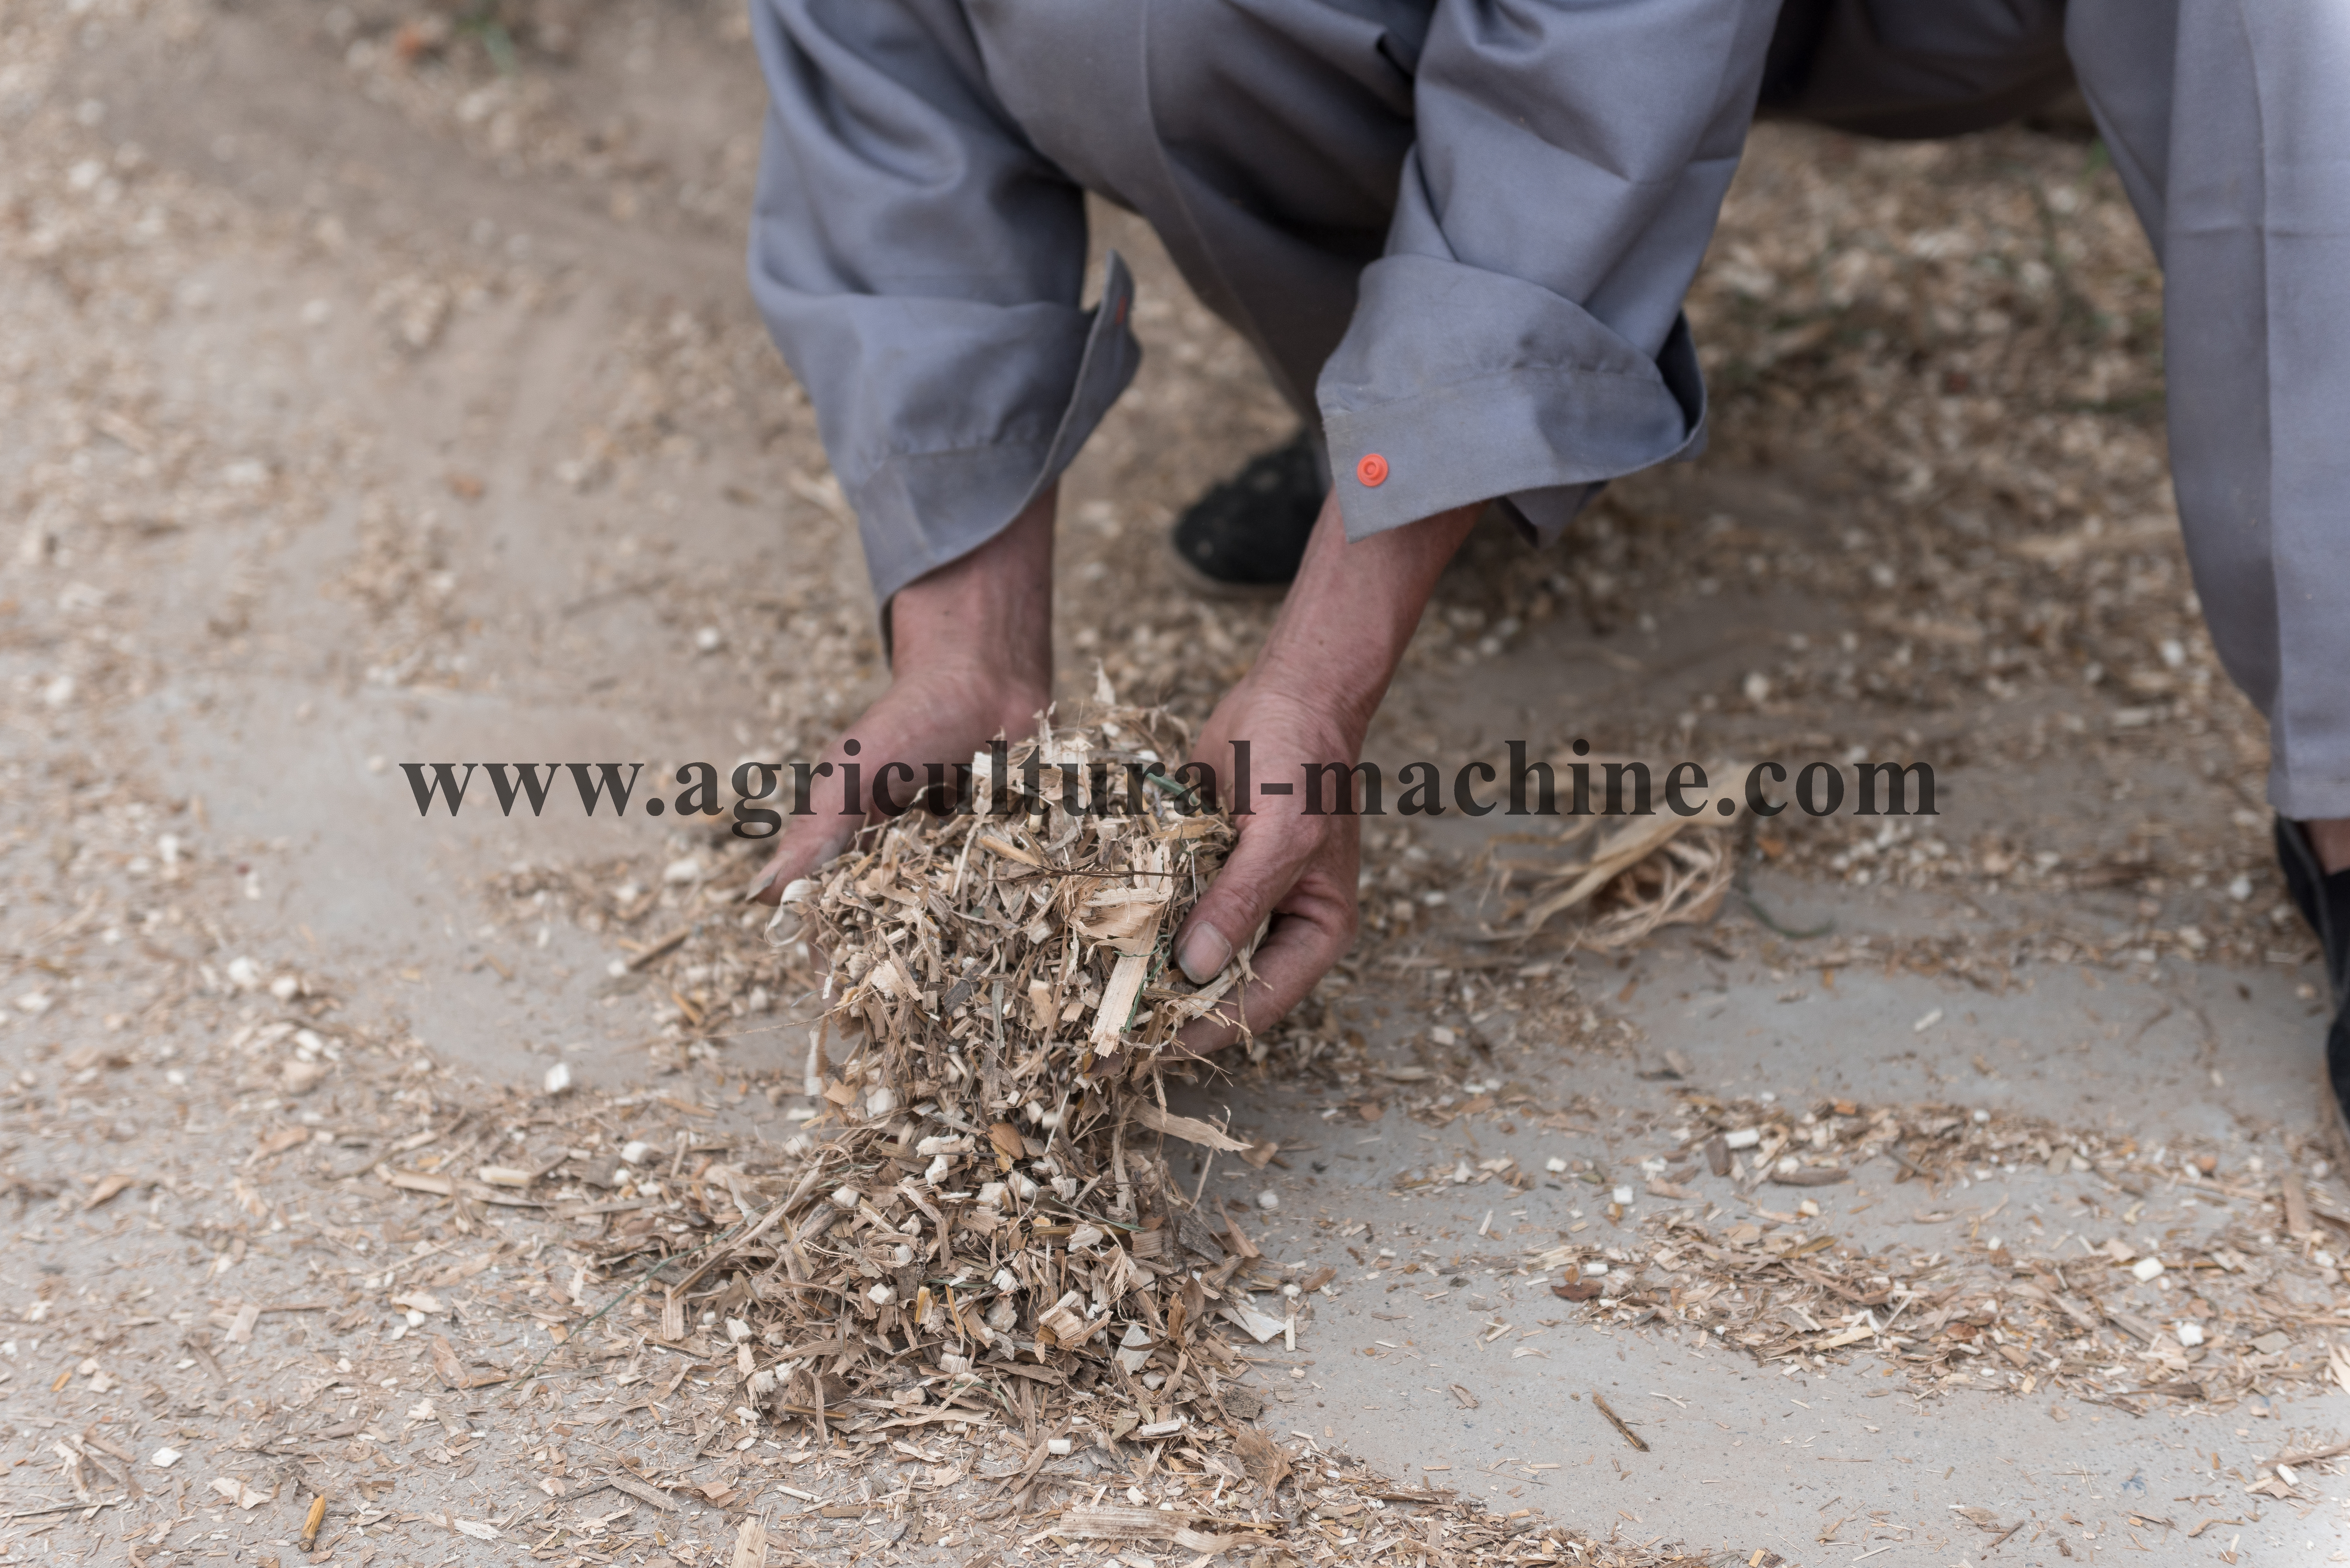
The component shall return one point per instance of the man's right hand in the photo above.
(971, 657)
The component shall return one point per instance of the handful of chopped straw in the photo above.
(983, 1215)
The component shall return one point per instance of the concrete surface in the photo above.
(240, 675)
(1754, 1456)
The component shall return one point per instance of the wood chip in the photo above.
(1121, 1524)
(1630, 1435)
(109, 1187)
(1191, 1129)
(643, 1491)
(1809, 1176)
(238, 1493)
(2297, 1220)
(661, 948)
(751, 1543)
(1265, 1460)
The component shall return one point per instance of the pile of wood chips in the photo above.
(980, 1218)
(2245, 1301)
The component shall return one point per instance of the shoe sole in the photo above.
(2337, 1068)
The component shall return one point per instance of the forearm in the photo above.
(987, 614)
(1352, 609)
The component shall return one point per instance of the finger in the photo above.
(809, 843)
(1265, 865)
(1296, 952)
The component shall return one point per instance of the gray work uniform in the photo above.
(1459, 233)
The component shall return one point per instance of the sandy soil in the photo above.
(361, 401)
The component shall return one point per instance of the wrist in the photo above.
(1323, 698)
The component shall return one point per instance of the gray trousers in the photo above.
(1458, 231)
(2229, 121)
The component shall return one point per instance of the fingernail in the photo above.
(766, 881)
(1205, 953)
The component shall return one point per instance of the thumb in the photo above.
(1264, 867)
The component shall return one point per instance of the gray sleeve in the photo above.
(919, 266)
(1522, 335)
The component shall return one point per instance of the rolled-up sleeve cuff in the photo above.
(1456, 386)
(1016, 390)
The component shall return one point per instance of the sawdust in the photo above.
(2234, 1305)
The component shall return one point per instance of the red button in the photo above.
(1372, 471)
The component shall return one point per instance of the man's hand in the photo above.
(972, 656)
(1298, 868)
(1308, 700)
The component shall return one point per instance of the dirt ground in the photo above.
(377, 384)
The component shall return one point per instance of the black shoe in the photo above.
(2337, 1072)
(2324, 899)
(1248, 534)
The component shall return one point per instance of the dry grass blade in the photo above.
(1653, 872)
